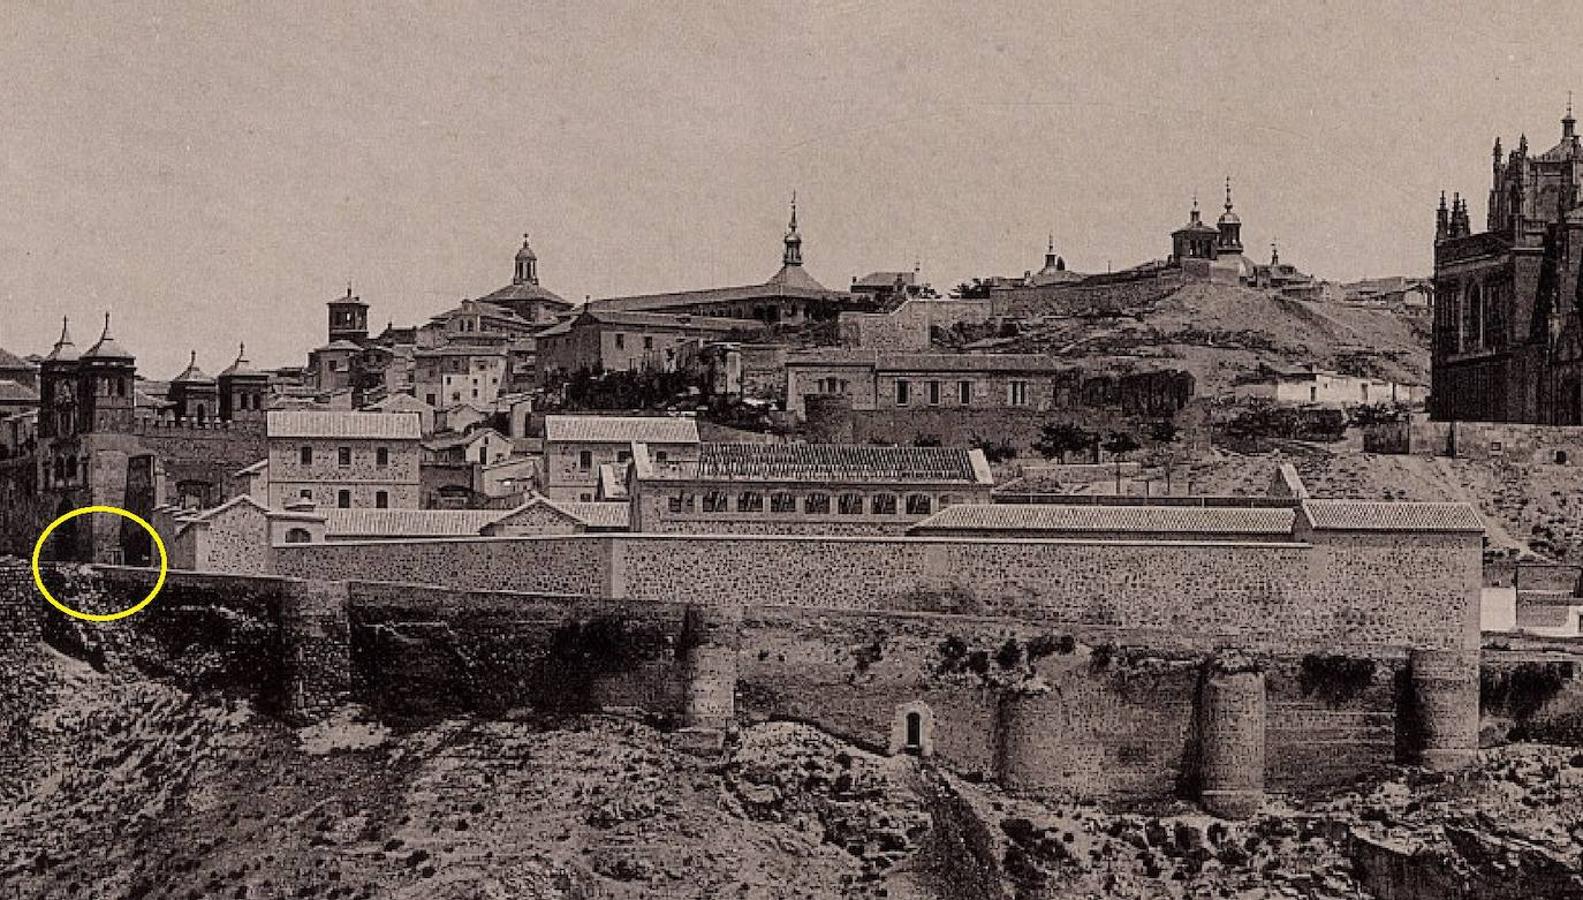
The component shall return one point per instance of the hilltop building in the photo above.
(1508, 342)
(343, 459)
(1212, 252)
(577, 447)
(790, 297)
(603, 340)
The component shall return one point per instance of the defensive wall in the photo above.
(1097, 294)
(1129, 700)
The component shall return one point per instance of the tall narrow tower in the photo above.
(1230, 227)
(348, 318)
(793, 254)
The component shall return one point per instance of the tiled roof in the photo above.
(790, 281)
(1057, 517)
(9, 360)
(519, 293)
(651, 320)
(597, 515)
(407, 522)
(313, 423)
(1378, 515)
(621, 429)
(11, 391)
(836, 463)
(934, 362)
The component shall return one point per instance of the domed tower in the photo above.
(57, 387)
(195, 394)
(107, 377)
(348, 319)
(527, 271)
(1230, 241)
(244, 391)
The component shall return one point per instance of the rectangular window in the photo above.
(964, 392)
(382, 456)
(343, 499)
(585, 460)
(934, 393)
(902, 392)
(781, 502)
(883, 505)
(850, 505)
(1017, 393)
(750, 502)
(715, 502)
(306, 455)
(621, 341)
(918, 505)
(817, 504)
(682, 503)
(648, 343)
(381, 500)
(343, 456)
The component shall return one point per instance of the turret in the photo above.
(1442, 220)
(244, 391)
(527, 270)
(107, 376)
(793, 254)
(348, 318)
(194, 393)
(1230, 226)
(57, 387)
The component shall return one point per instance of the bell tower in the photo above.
(348, 318)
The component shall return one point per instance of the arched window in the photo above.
(883, 505)
(715, 501)
(750, 502)
(298, 536)
(782, 502)
(850, 505)
(71, 468)
(912, 730)
(817, 504)
(919, 505)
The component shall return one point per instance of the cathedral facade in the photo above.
(1507, 342)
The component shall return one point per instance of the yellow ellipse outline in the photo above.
(38, 548)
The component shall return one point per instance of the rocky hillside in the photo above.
(119, 787)
(1222, 334)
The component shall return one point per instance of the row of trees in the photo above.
(1058, 440)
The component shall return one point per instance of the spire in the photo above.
(793, 255)
(1442, 219)
(1228, 193)
(241, 366)
(107, 348)
(1049, 254)
(1522, 145)
(64, 350)
(1194, 217)
(1275, 254)
(1569, 124)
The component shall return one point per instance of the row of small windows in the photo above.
(343, 456)
(851, 504)
(934, 391)
(621, 342)
(343, 498)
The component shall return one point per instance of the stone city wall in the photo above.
(1343, 589)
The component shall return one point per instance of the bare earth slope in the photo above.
(130, 788)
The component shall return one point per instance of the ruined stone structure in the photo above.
(1508, 340)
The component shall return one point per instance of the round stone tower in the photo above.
(710, 635)
(1231, 739)
(1444, 693)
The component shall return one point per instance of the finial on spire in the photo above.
(241, 349)
(106, 334)
(65, 331)
(794, 211)
(793, 254)
(1228, 193)
(1050, 248)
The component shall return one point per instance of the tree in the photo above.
(1057, 439)
(977, 289)
(1163, 434)
(1119, 444)
(993, 451)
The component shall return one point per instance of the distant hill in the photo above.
(1222, 333)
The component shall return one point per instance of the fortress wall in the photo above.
(1359, 590)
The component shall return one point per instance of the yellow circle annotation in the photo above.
(164, 563)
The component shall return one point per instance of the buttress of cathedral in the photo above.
(1507, 341)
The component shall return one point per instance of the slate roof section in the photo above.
(350, 523)
(1056, 518)
(312, 423)
(1380, 515)
(839, 463)
(621, 429)
(595, 514)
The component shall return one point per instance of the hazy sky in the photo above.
(215, 172)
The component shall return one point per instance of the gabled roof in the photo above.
(1380, 515)
(621, 429)
(399, 403)
(313, 423)
(1059, 518)
(838, 463)
(9, 360)
(352, 523)
(603, 516)
(448, 441)
(680, 322)
(790, 281)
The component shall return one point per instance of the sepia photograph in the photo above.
(877, 449)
